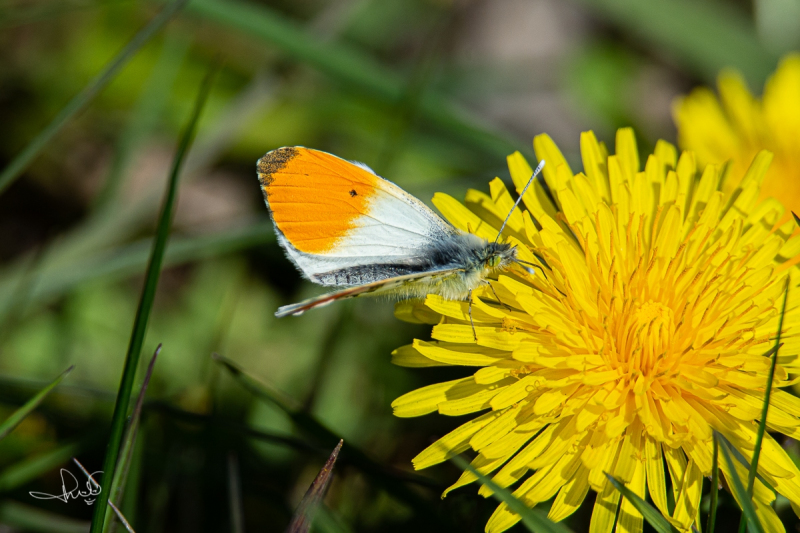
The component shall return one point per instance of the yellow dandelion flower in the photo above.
(737, 126)
(660, 297)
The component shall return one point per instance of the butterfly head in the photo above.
(498, 256)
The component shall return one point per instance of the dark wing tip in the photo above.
(273, 162)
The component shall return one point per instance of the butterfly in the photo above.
(342, 225)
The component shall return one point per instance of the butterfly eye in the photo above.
(493, 261)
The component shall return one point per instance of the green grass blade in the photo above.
(353, 69)
(736, 486)
(650, 513)
(762, 424)
(742, 460)
(390, 479)
(32, 519)
(312, 426)
(235, 495)
(712, 512)
(24, 158)
(86, 473)
(704, 36)
(120, 262)
(145, 115)
(121, 517)
(344, 64)
(106, 229)
(115, 491)
(19, 415)
(25, 471)
(307, 509)
(147, 298)
(533, 519)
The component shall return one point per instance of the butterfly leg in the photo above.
(497, 297)
(469, 311)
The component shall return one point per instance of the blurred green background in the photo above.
(433, 94)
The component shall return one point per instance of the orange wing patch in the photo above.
(315, 197)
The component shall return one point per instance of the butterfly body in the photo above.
(344, 226)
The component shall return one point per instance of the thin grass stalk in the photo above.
(107, 228)
(235, 495)
(316, 429)
(307, 509)
(121, 517)
(147, 298)
(87, 474)
(8, 425)
(354, 69)
(737, 486)
(388, 478)
(117, 486)
(650, 514)
(24, 158)
(534, 520)
(23, 472)
(762, 424)
(144, 116)
(712, 512)
(131, 259)
(20, 517)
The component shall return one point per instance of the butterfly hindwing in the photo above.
(409, 286)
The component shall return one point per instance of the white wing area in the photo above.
(397, 227)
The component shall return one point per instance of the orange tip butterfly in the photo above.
(342, 225)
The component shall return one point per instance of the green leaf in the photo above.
(26, 518)
(19, 415)
(115, 491)
(24, 158)
(147, 298)
(762, 424)
(533, 519)
(736, 486)
(704, 36)
(390, 479)
(307, 509)
(712, 512)
(25, 471)
(650, 513)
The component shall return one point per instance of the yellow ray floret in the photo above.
(649, 328)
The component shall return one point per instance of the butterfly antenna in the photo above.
(533, 177)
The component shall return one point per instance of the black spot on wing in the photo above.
(273, 162)
(353, 193)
